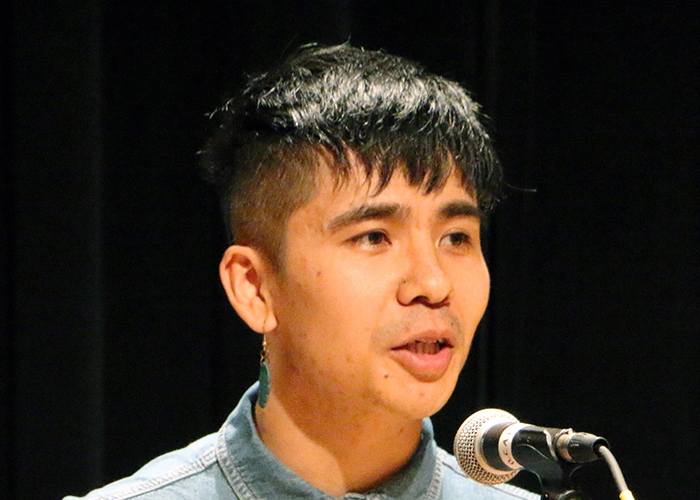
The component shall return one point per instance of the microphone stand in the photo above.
(554, 475)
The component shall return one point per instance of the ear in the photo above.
(245, 275)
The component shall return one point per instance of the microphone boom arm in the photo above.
(554, 474)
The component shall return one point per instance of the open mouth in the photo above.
(425, 347)
(426, 359)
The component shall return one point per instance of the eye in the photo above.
(371, 239)
(456, 239)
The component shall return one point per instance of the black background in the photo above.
(117, 342)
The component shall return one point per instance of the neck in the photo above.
(336, 450)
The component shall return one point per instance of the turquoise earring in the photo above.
(264, 377)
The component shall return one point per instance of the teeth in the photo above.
(425, 348)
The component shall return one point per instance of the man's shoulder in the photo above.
(188, 473)
(456, 484)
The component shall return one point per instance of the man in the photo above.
(354, 184)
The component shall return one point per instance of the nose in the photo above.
(425, 280)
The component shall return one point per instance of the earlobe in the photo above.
(245, 274)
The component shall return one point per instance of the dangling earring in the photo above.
(264, 377)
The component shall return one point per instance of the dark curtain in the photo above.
(117, 343)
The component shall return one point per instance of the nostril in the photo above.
(423, 300)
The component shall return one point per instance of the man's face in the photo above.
(379, 297)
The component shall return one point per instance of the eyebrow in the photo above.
(396, 211)
(367, 212)
(460, 209)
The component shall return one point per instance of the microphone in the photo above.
(492, 446)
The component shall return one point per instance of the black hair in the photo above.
(390, 111)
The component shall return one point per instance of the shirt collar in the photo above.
(255, 473)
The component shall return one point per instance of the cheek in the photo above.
(342, 290)
(322, 305)
(474, 292)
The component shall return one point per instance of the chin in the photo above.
(424, 400)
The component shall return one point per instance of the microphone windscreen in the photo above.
(467, 446)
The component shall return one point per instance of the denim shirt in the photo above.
(235, 464)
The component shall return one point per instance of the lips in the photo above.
(425, 347)
(426, 359)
